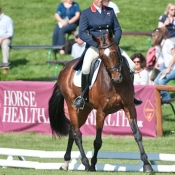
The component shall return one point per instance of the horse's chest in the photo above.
(114, 104)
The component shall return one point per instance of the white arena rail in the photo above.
(73, 165)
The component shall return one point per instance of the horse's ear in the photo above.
(110, 35)
(96, 40)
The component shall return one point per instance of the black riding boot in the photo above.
(136, 102)
(81, 100)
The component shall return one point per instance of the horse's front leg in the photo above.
(98, 140)
(138, 138)
(132, 117)
(67, 155)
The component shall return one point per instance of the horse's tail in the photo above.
(60, 124)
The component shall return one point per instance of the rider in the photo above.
(95, 20)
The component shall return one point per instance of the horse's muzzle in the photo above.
(117, 79)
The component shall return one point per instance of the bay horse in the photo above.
(112, 91)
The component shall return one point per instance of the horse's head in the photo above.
(109, 52)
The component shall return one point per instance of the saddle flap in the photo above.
(95, 65)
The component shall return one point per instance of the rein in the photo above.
(105, 47)
(113, 68)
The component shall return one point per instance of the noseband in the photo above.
(113, 68)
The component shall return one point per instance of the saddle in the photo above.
(94, 68)
(95, 65)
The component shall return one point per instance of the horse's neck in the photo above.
(106, 79)
(104, 74)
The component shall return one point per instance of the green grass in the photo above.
(33, 24)
(117, 144)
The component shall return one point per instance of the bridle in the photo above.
(118, 64)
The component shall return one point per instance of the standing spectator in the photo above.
(167, 52)
(108, 3)
(168, 20)
(78, 47)
(141, 76)
(67, 15)
(6, 34)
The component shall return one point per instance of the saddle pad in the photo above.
(77, 76)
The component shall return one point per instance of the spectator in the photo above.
(6, 34)
(167, 52)
(168, 20)
(141, 76)
(78, 47)
(108, 3)
(67, 15)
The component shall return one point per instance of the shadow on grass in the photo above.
(38, 79)
(172, 94)
(167, 133)
(18, 62)
(169, 119)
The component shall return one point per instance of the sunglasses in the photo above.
(77, 36)
(137, 62)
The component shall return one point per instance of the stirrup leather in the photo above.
(79, 103)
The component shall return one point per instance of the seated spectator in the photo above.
(168, 20)
(78, 47)
(6, 34)
(140, 75)
(108, 3)
(67, 15)
(152, 57)
(68, 46)
(166, 50)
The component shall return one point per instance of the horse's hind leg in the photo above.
(78, 141)
(67, 155)
(131, 114)
(77, 122)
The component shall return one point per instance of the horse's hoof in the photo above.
(147, 168)
(87, 168)
(92, 169)
(61, 168)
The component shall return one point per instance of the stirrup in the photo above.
(79, 103)
(137, 102)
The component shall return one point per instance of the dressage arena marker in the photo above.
(73, 165)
